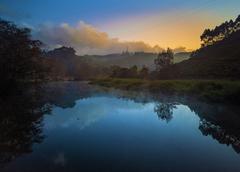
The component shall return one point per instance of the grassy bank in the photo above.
(213, 90)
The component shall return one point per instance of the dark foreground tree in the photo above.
(19, 55)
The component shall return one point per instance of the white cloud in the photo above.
(86, 39)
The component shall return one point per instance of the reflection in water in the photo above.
(207, 128)
(65, 94)
(165, 111)
(60, 159)
(22, 119)
(83, 113)
(20, 124)
(220, 121)
(21, 115)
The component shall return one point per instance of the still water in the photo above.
(78, 127)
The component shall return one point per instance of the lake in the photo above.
(78, 127)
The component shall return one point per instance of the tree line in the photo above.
(163, 60)
(209, 37)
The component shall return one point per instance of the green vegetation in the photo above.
(213, 90)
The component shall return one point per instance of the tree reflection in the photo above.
(22, 110)
(165, 111)
(20, 124)
(65, 94)
(21, 115)
(220, 121)
(223, 137)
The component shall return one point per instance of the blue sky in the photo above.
(154, 22)
(97, 11)
(38, 11)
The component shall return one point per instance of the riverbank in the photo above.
(212, 90)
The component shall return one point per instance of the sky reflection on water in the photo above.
(105, 132)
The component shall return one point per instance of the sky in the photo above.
(110, 26)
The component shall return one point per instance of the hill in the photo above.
(219, 57)
(64, 64)
(130, 59)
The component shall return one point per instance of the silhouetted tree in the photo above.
(164, 59)
(19, 55)
(220, 32)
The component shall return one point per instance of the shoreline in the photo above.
(211, 90)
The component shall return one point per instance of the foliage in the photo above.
(220, 32)
(66, 65)
(164, 59)
(19, 55)
(132, 72)
(217, 61)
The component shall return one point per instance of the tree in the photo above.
(164, 59)
(210, 37)
(144, 72)
(133, 72)
(122, 72)
(19, 55)
(206, 37)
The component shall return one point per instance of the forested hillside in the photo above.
(218, 58)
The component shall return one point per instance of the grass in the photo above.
(213, 90)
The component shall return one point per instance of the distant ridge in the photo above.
(128, 60)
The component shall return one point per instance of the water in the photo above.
(78, 127)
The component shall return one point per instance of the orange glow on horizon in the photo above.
(166, 30)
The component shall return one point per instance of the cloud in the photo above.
(87, 39)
